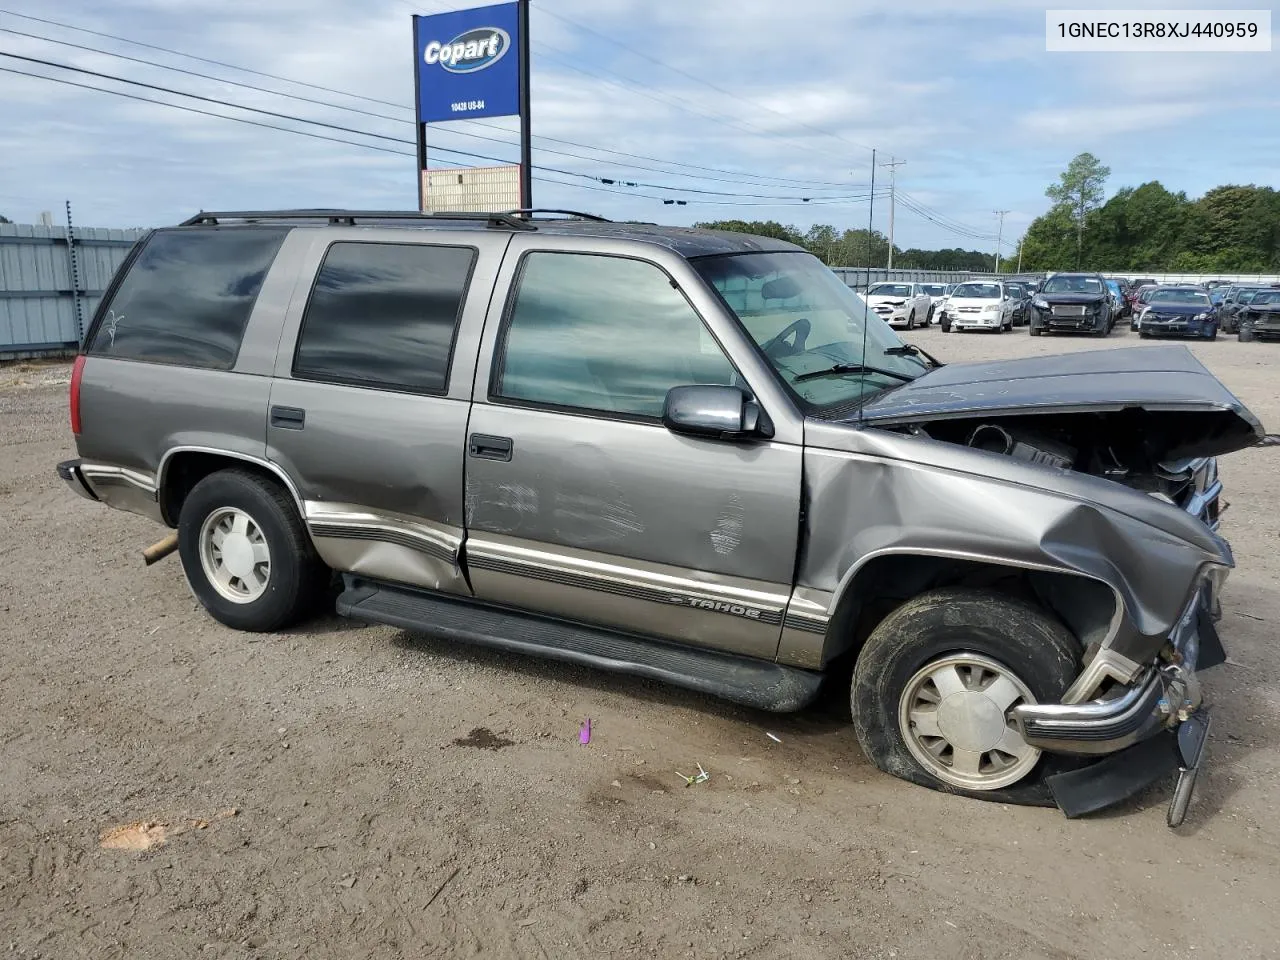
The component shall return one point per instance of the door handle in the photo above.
(485, 447)
(288, 418)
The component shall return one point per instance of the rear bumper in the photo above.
(69, 473)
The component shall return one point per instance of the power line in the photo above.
(818, 185)
(403, 153)
(368, 113)
(391, 139)
(206, 113)
(697, 79)
(192, 56)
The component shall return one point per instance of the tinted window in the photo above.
(187, 297)
(384, 315)
(603, 333)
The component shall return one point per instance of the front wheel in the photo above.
(246, 553)
(1035, 331)
(935, 685)
(911, 320)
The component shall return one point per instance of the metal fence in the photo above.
(859, 277)
(50, 284)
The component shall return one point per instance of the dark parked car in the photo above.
(1179, 312)
(1234, 300)
(1021, 295)
(1262, 315)
(1073, 303)
(1139, 302)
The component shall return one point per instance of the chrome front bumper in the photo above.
(1164, 697)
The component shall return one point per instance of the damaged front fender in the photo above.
(872, 493)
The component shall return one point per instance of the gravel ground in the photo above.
(350, 791)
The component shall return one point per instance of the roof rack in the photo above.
(349, 217)
(528, 211)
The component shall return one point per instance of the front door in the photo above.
(581, 504)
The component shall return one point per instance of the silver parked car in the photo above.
(691, 456)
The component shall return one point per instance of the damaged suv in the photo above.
(686, 455)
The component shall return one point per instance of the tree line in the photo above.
(857, 248)
(1142, 229)
(1231, 229)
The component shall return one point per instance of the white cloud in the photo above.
(966, 94)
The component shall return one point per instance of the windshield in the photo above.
(1073, 285)
(1180, 295)
(806, 320)
(890, 290)
(1266, 296)
(935, 289)
(977, 291)
(1246, 296)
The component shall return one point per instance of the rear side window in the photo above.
(187, 297)
(384, 315)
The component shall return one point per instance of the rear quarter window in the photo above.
(186, 297)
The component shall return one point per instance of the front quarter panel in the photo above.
(871, 492)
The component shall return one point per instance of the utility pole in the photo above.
(999, 235)
(893, 169)
(1020, 239)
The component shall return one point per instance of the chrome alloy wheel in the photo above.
(234, 555)
(954, 715)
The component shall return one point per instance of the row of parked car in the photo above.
(1086, 303)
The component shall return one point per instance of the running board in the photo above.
(753, 683)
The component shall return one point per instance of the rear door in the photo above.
(580, 503)
(370, 398)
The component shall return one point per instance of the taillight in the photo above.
(77, 371)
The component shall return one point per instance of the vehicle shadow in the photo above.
(828, 714)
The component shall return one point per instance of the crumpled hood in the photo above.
(1177, 309)
(1164, 379)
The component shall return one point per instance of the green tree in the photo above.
(4, 219)
(1079, 191)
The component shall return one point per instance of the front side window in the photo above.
(384, 315)
(604, 334)
(813, 329)
(187, 297)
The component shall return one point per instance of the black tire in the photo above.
(1038, 649)
(1143, 335)
(1035, 331)
(297, 581)
(911, 320)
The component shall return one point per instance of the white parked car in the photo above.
(937, 296)
(981, 305)
(900, 304)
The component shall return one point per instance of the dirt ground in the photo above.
(170, 788)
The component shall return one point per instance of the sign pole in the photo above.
(419, 128)
(526, 137)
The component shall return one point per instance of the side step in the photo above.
(753, 683)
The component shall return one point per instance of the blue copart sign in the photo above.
(468, 63)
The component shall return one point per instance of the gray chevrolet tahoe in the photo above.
(687, 455)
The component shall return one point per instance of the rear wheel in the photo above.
(934, 689)
(246, 553)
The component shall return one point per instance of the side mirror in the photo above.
(721, 413)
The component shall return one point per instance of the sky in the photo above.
(739, 107)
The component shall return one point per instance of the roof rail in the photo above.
(527, 211)
(349, 217)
